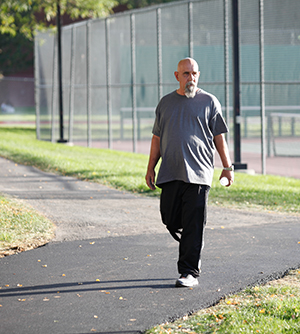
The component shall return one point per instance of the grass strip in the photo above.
(126, 171)
(269, 309)
(21, 227)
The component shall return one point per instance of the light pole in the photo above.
(236, 87)
(59, 60)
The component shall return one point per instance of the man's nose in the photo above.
(191, 77)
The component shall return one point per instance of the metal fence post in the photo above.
(53, 97)
(269, 135)
(262, 86)
(133, 75)
(226, 66)
(108, 85)
(191, 30)
(159, 53)
(88, 83)
(72, 78)
(37, 88)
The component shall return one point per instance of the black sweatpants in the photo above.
(183, 208)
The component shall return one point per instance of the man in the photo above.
(187, 129)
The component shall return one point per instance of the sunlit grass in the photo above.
(21, 227)
(266, 192)
(126, 171)
(273, 308)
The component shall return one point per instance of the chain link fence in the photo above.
(116, 69)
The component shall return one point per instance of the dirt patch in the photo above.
(292, 280)
(23, 246)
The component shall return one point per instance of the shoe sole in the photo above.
(179, 284)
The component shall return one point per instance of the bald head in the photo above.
(187, 75)
(186, 62)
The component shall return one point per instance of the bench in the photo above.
(255, 111)
(246, 112)
(279, 116)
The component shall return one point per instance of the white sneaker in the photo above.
(186, 281)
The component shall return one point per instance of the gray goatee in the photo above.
(190, 89)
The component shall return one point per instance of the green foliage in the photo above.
(16, 53)
(131, 4)
(24, 16)
(21, 16)
(20, 19)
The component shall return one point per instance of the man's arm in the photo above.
(223, 151)
(153, 159)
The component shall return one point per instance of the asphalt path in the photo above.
(112, 266)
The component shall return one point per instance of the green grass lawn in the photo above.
(126, 171)
(21, 227)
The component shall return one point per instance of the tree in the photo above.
(20, 19)
(26, 16)
(131, 4)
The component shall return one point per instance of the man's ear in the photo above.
(176, 75)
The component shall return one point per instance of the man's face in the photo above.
(187, 75)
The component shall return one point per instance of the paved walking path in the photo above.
(112, 266)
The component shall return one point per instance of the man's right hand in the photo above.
(150, 179)
(153, 159)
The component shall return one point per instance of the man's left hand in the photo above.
(229, 175)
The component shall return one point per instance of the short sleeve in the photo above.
(218, 125)
(156, 126)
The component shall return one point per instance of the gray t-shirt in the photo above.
(186, 128)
